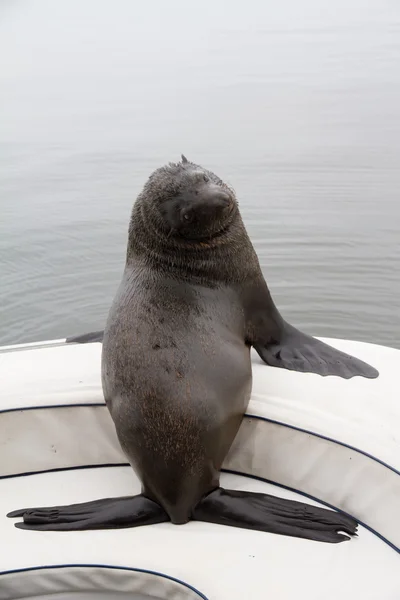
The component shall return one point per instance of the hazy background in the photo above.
(296, 103)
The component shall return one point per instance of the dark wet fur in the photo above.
(176, 368)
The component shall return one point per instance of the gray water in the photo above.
(295, 103)
(94, 596)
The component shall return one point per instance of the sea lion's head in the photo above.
(189, 201)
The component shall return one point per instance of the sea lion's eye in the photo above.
(206, 179)
(187, 216)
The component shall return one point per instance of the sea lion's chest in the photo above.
(153, 305)
(178, 338)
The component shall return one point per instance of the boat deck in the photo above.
(336, 441)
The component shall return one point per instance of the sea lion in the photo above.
(176, 368)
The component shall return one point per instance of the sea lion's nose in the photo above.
(218, 197)
(223, 197)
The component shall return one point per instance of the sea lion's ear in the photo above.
(184, 159)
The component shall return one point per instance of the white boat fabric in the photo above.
(335, 440)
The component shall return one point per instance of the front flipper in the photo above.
(280, 344)
(110, 513)
(262, 512)
(86, 338)
(297, 351)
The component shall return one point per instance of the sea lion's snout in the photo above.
(191, 202)
(207, 207)
(206, 204)
(216, 197)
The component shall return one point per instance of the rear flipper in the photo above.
(297, 351)
(262, 512)
(110, 513)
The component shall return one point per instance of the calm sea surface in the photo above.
(296, 104)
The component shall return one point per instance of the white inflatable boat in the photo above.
(333, 441)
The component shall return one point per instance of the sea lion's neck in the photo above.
(227, 257)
